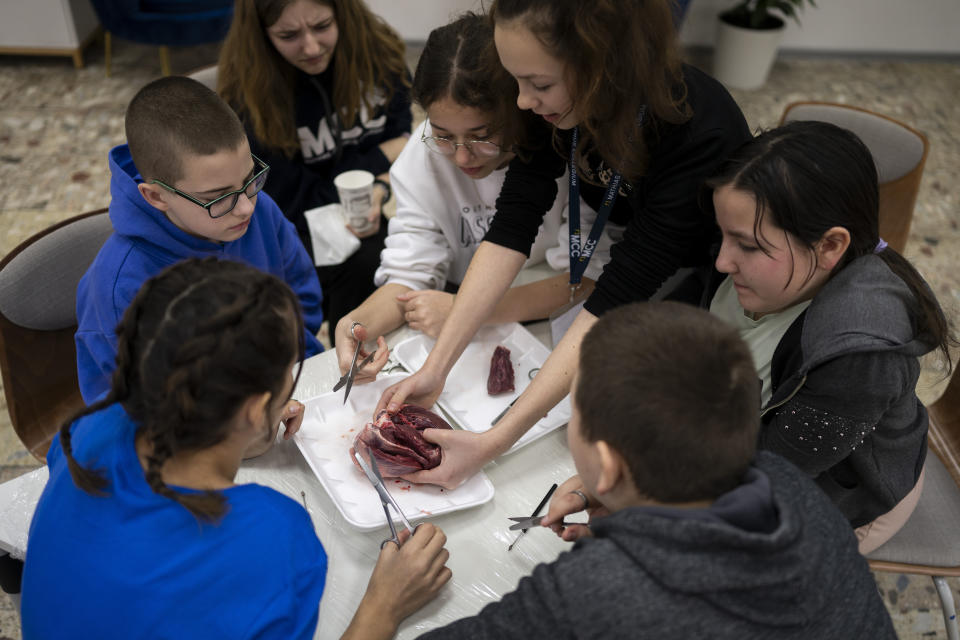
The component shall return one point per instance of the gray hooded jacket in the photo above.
(844, 407)
(771, 559)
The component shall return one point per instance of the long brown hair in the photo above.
(197, 341)
(620, 55)
(258, 82)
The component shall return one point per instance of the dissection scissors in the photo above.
(373, 475)
(347, 378)
(543, 503)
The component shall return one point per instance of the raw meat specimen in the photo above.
(396, 443)
(501, 372)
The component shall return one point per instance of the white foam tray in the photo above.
(465, 398)
(325, 437)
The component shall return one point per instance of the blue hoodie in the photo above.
(145, 242)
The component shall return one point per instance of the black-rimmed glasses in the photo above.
(447, 147)
(222, 205)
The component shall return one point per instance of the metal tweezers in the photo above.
(387, 500)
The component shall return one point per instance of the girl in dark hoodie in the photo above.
(836, 320)
(322, 88)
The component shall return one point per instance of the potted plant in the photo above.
(748, 35)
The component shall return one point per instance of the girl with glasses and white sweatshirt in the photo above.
(446, 181)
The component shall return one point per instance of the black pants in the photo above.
(11, 572)
(346, 285)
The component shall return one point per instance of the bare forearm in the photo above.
(488, 277)
(536, 300)
(369, 624)
(381, 313)
(548, 388)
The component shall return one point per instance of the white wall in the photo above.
(903, 26)
(41, 24)
(907, 26)
(415, 19)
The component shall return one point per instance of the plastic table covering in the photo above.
(477, 538)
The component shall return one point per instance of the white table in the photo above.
(18, 498)
(477, 538)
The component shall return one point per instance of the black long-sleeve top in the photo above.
(305, 180)
(667, 227)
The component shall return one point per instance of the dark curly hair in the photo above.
(199, 339)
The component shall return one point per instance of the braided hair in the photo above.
(197, 341)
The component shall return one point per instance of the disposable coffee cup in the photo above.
(355, 189)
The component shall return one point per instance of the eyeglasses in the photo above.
(222, 205)
(447, 147)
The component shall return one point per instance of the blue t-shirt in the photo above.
(135, 564)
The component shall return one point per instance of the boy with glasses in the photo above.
(184, 186)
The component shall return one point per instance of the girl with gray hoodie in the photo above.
(835, 319)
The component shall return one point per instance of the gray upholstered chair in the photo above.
(38, 292)
(899, 151)
(929, 544)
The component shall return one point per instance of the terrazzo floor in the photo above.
(57, 124)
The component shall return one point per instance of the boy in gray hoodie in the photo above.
(692, 532)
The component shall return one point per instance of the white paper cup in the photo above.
(355, 189)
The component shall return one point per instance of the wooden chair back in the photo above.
(38, 361)
(899, 150)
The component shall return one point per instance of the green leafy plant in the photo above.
(763, 14)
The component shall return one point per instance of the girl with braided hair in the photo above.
(142, 530)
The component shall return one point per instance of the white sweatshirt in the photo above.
(443, 214)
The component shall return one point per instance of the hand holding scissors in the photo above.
(572, 497)
(409, 573)
(346, 335)
(387, 500)
(348, 378)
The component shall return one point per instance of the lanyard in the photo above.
(580, 250)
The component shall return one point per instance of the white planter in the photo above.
(742, 57)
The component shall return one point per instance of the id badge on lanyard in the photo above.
(580, 250)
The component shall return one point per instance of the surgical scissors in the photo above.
(373, 475)
(347, 378)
